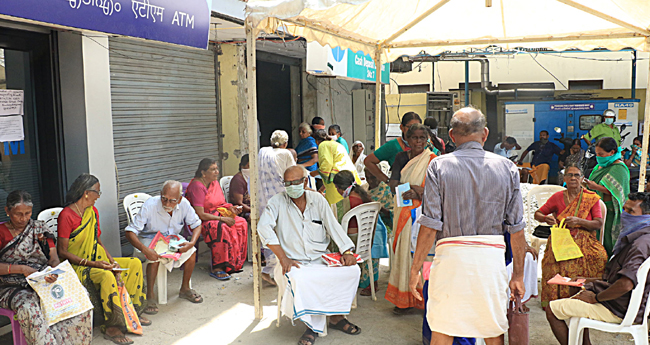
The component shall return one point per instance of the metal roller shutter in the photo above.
(164, 114)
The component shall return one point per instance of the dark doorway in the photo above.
(495, 135)
(35, 163)
(273, 99)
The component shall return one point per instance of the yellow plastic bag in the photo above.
(564, 247)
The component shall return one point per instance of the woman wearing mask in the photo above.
(332, 159)
(633, 156)
(611, 181)
(335, 135)
(238, 192)
(388, 151)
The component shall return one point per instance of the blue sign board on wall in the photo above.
(184, 22)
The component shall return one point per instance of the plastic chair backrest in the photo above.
(637, 296)
(541, 194)
(225, 186)
(50, 217)
(603, 210)
(133, 203)
(312, 182)
(366, 219)
(385, 168)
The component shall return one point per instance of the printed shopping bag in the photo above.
(564, 247)
(130, 316)
(63, 299)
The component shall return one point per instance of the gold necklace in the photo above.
(12, 230)
(78, 210)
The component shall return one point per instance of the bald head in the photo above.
(468, 121)
(295, 172)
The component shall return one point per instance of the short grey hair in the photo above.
(171, 184)
(279, 137)
(306, 127)
(305, 172)
(473, 122)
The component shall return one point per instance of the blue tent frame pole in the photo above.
(466, 83)
(633, 88)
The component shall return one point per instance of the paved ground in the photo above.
(227, 317)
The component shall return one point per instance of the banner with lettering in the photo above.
(183, 22)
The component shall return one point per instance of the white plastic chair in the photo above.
(603, 210)
(366, 215)
(50, 217)
(225, 186)
(541, 194)
(132, 205)
(639, 332)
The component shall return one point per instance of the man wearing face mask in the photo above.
(607, 299)
(605, 129)
(543, 151)
(297, 226)
(167, 213)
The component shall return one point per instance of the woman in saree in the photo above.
(580, 210)
(358, 157)
(332, 159)
(575, 156)
(380, 192)
(80, 243)
(353, 196)
(28, 246)
(611, 181)
(224, 231)
(414, 171)
(307, 149)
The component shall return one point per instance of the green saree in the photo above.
(616, 178)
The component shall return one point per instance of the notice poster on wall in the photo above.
(11, 102)
(11, 128)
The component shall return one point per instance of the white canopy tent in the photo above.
(388, 29)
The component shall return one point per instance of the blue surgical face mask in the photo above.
(295, 191)
(609, 121)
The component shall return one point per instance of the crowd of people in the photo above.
(463, 215)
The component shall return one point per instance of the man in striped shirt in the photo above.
(471, 198)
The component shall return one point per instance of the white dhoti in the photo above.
(530, 278)
(468, 287)
(313, 292)
(168, 263)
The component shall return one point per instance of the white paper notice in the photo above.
(11, 128)
(11, 102)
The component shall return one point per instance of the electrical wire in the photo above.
(549, 72)
(399, 102)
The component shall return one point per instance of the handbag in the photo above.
(131, 319)
(542, 231)
(518, 323)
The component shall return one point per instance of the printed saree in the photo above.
(101, 284)
(398, 291)
(30, 248)
(616, 178)
(591, 265)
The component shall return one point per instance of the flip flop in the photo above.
(145, 322)
(352, 328)
(305, 339)
(191, 296)
(217, 273)
(115, 339)
(151, 309)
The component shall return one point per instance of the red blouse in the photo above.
(555, 204)
(69, 220)
(6, 237)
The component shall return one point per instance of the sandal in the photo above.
(308, 338)
(352, 329)
(401, 311)
(220, 275)
(367, 292)
(267, 278)
(145, 322)
(191, 296)
(151, 309)
(116, 339)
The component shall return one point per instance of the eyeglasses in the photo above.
(99, 192)
(165, 200)
(294, 182)
(573, 175)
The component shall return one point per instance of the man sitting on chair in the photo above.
(168, 214)
(297, 225)
(608, 299)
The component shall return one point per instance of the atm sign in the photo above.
(623, 105)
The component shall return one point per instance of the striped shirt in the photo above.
(472, 192)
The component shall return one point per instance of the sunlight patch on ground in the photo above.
(229, 325)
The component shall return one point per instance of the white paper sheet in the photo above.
(11, 128)
(11, 102)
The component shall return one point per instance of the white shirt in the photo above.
(303, 236)
(502, 151)
(153, 218)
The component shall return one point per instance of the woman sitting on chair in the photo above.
(238, 191)
(354, 195)
(580, 210)
(28, 246)
(80, 243)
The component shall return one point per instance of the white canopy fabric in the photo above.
(407, 27)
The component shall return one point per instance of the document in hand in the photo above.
(560, 280)
(399, 190)
(63, 299)
(161, 243)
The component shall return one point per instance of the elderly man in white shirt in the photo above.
(168, 214)
(297, 225)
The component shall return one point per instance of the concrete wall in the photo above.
(230, 109)
(334, 103)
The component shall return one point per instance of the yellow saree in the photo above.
(101, 283)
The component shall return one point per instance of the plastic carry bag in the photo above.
(564, 247)
(63, 299)
(130, 316)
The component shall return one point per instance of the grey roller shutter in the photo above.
(164, 114)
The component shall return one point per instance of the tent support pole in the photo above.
(633, 88)
(646, 134)
(466, 83)
(378, 97)
(251, 67)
